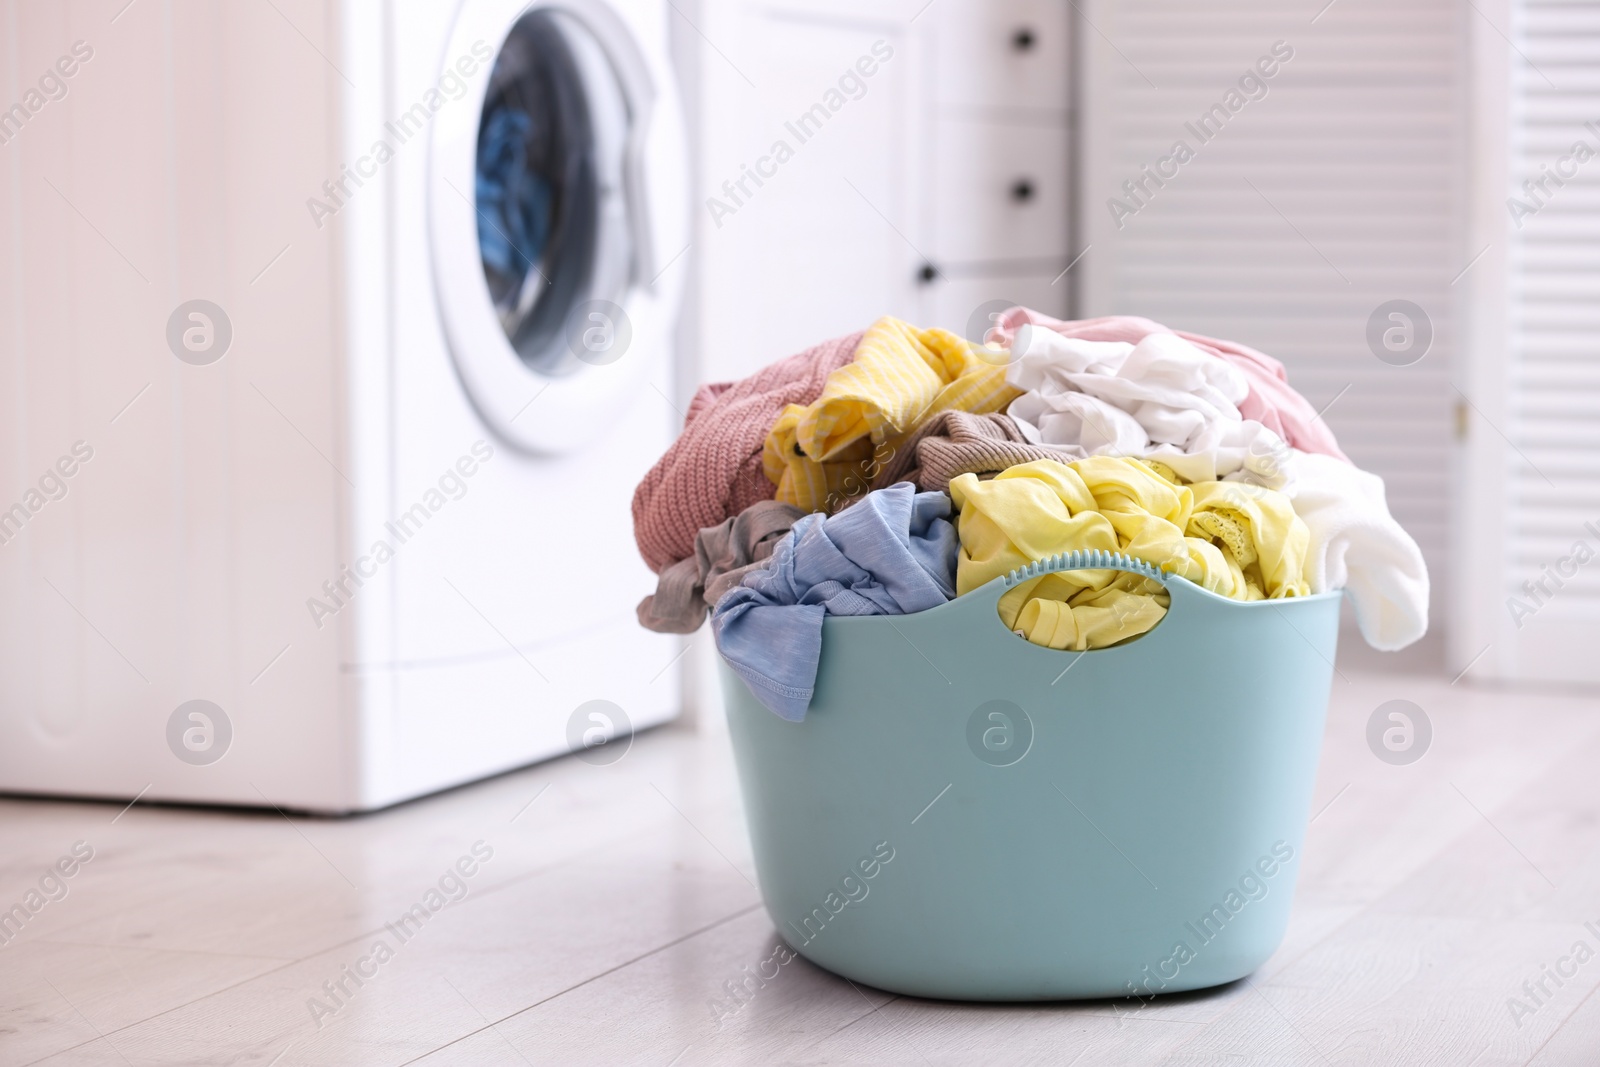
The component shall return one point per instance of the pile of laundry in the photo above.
(889, 471)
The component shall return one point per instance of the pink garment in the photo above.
(1271, 401)
(713, 471)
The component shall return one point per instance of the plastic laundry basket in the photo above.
(964, 814)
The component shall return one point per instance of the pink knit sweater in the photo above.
(1271, 401)
(713, 471)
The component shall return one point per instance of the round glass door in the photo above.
(554, 233)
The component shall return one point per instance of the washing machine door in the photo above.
(548, 204)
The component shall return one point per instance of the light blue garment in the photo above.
(892, 553)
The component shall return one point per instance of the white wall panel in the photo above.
(1336, 186)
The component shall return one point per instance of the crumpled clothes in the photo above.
(1162, 399)
(900, 376)
(723, 555)
(952, 443)
(1357, 546)
(513, 201)
(892, 554)
(714, 469)
(1270, 401)
(1239, 541)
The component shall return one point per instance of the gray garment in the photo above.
(723, 554)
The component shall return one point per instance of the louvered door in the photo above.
(1533, 527)
(1313, 197)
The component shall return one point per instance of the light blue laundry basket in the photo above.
(966, 815)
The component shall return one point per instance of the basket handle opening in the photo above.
(1086, 559)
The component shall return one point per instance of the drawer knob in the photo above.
(1022, 190)
(1023, 39)
(927, 273)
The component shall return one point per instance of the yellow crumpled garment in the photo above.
(1237, 540)
(898, 378)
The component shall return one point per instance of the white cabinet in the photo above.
(996, 145)
(877, 158)
(968, 304)
(1000, 190)
(1013, 55)
(805, 221)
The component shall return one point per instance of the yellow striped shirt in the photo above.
(898, 378)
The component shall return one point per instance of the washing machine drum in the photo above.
(541, 210)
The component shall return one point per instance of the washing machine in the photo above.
(340, 333)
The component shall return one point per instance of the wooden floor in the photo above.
(618, 901)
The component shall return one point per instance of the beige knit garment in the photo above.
(953, 443)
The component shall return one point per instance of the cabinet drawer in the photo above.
(967, 305)
(1000, 190)
(1014, 53)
